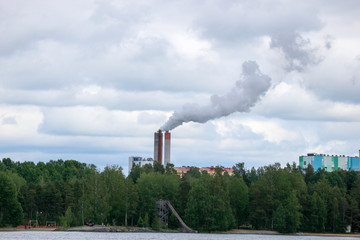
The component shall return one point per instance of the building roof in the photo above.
(212, 169)
(182, 169)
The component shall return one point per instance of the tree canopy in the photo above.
(286, 199)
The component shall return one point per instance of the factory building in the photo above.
(329, 162)
(180, 171)
(139, 161)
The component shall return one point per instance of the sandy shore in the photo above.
(330, 234)
(243, 231)
(239, 231)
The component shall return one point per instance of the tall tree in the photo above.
(239, 200)
(208, 206)
(11, 212)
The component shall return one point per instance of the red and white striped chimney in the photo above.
(167, 148)
(160, 147)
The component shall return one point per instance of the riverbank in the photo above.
(22, 228)
(100, 228)
(330, 234)
(264, 232)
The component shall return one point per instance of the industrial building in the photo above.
(180, 171)
(139, 161)
(163, 141)
(329, 162)
(158, 151)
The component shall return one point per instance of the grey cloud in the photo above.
(87, 23)
(298, 51)
(92, 121)
(336, 81)
(234, 21)
(99, 96)
(55, 50)
(294, 102)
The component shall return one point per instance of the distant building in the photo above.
(180, 171)
(211, 170)
(329, 162)
(139, 161)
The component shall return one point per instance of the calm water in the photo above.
(146, 236)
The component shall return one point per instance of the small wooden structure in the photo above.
(50, 224)
(163, 207)
(33, 223)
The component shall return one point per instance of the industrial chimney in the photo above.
(158, 142)
(167, 148)
(156, 146)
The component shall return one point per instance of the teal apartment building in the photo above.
(329, 162)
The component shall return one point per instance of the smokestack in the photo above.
(167, 148)
(158, 142)
(156, 146)
(160, 147)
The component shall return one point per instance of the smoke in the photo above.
(297, 50)
(247, 91)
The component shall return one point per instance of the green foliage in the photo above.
(208, 207)
(267, 194)
(159, 168)
(239, 200)
(271, 197)
(280, 216)
(156, 224)
(10, 209)
(173, 222)
(169, 169)
(68, 219)
(2, 167)
(146, 220)
(140, 222)
(155, 186)
(292, 214)
(318, 207)
(131, 200)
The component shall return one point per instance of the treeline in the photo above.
(272, 198)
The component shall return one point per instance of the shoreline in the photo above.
(120, 229)
(16, 229)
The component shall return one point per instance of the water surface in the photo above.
(32, 235)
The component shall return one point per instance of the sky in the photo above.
(93, 80)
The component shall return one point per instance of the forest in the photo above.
(286, 199)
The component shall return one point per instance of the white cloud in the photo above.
(96, 84)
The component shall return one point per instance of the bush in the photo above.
(156, 225)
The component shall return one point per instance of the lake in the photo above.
(17, 235)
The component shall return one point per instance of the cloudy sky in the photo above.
(92, 80)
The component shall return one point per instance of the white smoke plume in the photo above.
(297, 50)
(248, 90)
